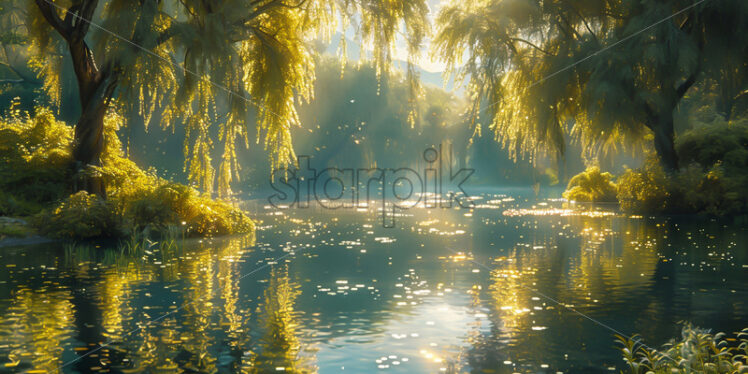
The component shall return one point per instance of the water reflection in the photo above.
(495, 289)
(35, 325)
(280, 348)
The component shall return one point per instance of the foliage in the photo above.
(644, 190)
(35, 155)
(601, 71)
(81, 215)
(723, 143)
(711, 190)
(10, 227)
(697, 351)
(263, 52)
(176, 204)
(712, 179)
(33, 177)
(592, 186)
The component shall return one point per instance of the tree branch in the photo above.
(87, 9)
(586, 24)
(70, 15)
(744, 92)
(569, 25)
(530, 44)
(683, 87)
(261, 10)
(50, 14)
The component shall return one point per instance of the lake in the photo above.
(515, 285)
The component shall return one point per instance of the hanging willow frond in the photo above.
(198, 62)
(599, 71)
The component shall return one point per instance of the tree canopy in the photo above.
(200, 62)
(605, 72)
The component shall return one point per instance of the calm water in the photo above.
(488, 290)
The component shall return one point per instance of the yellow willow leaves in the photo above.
(199, 63)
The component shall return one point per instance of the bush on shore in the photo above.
(34, 162)
(35, 176)
(644, 190)
(591, 185)
(711, 180)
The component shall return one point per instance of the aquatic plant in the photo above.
(697, 351)
(134, 244)
(591, 185)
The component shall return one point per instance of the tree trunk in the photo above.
(88, 142)
(662, 126)
(87, 147)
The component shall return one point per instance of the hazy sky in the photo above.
(401, 52)
(425, 60)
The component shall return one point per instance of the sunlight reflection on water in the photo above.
(354, 296)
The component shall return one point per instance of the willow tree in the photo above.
(605, 71)
(185, 59)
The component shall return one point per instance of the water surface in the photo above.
(514, 285)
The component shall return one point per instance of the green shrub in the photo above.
(35, 172)
(711, 191)
(592, 186)
(724, 143)
(644, 190)
(34, 160)
(697, 351)
(714, 170)
(81, 215)
(688, 191)
(16, 228)
(711, 180)
(175, 204)
(14, 206)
